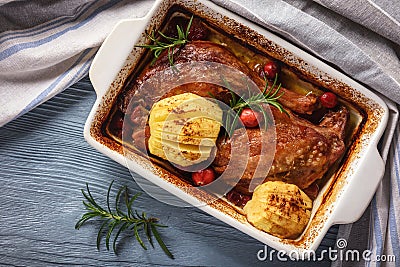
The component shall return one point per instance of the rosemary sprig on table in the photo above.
(254, 101)
(130, 220)
(157, 46)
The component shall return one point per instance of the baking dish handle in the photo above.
(360, 189)
(112, 54)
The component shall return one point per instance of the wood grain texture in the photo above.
(45, 161)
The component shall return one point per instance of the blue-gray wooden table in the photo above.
(45, 162)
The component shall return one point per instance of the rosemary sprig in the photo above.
(157, 46)
(254, 101)
(130, 220)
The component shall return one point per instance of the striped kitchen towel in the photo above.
(46, 46)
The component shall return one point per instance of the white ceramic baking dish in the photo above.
(344, 197)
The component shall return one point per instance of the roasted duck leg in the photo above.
(304, 151)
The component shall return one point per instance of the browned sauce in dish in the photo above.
(312, 135)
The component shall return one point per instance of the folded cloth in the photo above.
(45, 46)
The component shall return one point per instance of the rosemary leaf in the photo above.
(171, 56)
(188, 27)
(160, 241)
(108, 198)
(181, 35)
(171, 39)
(84, 218)
(111, 227)
(127, 201)
(148, 234)
(135, 229)
(137, 214)
(157, 46)
(131, 221)
(120, 230)
(89, 206)
(89, 197)
(265, 116)
(98, 239)
(117, 198)
(129, 207)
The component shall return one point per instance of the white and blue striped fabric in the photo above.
(46, 46)
(39, 57)
(385, 208)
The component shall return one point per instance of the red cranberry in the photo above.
(328, 100)
(249, 117)
(203, 177)
(271, 69)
